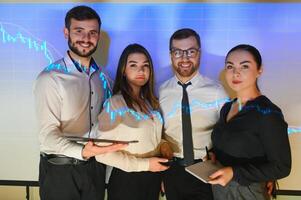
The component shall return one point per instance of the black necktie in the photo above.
(186, 127)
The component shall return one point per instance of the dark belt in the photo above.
(61, 159)
(180, 161)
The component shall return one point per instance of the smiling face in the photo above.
(83, 37)
(137, 70)
(242, 71)
(185, 66)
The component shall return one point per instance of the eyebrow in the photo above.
(81, 28)
(133, 61)
(174, 48)
(246, 61)
(78, 27)
(243, 62)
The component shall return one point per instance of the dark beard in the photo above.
(76, 50)
(186, 73)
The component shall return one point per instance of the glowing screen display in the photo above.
(31, 38)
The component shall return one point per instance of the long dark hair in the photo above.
(147, 90)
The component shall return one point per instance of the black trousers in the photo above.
(134, 185)
(180, 185)
(72, 182)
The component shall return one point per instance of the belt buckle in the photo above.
(75, 161)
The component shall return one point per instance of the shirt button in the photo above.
(91, 107)
(92, 124)
(92, 92)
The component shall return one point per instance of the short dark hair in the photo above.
(183, 34)
(81, 13)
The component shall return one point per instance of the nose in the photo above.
(236, 71)
(185, 54)
(141, 69)
(185, 57)
(86, 37)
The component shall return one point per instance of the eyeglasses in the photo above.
(190, 53)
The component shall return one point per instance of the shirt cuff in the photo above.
(76, 151)
(143, 165)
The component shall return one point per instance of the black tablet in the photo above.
(85, 139)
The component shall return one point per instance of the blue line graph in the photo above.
(41, 46)
(123, 110)
(292, 130)
(26, 41)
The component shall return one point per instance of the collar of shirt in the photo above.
(196, 81)
(73, 65)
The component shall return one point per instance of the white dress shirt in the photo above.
(118, 122)
(68, 102)
(206, 98)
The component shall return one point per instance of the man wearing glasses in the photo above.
(190, 103)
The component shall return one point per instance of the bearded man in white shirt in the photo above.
(190, 104)
(69, 95)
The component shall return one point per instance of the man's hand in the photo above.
(222, 176)
(155, 164)
(91, 149)
(166, 150)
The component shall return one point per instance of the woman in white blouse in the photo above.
(132, 114)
